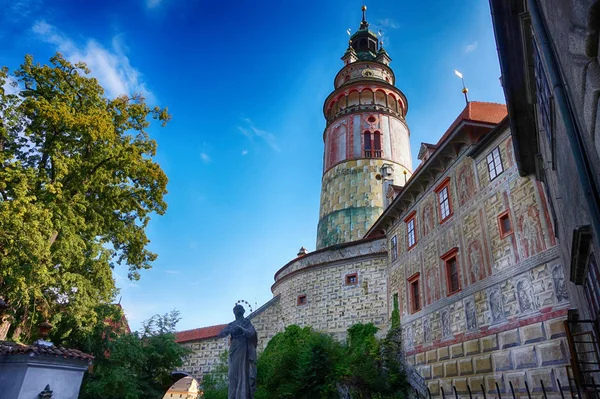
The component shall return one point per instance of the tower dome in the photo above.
(365, 132)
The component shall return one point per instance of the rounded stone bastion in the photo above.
(333, 288)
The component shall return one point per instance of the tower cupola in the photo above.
(363, 41)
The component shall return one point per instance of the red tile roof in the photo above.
(13, 348)
(199, 333)
(477, 111)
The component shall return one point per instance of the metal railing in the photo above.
(584, 371)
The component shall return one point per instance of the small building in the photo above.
(185, 388)
(26, 371)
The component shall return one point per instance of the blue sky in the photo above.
(245, 82)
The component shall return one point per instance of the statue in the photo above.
(242, 355)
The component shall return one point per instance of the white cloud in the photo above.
(110, 66)
(153, 3)
(244, 152)
(205, 157)
(20, 9)
(469, 48)
(387, 23)
(251, 131)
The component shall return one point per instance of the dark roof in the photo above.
(12, 348)
(199, 333)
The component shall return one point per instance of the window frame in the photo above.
(504, 234)
(493, 162)
(413, 281)
(348, 276)
(444, 185)
(394, 245)
(411, 218)
(368, 152)
(301, 300)
(447, 258)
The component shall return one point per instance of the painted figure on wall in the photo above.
(496, 306)
(470, 314)
(410, 339)
(525, 296)
(509, 152)
(532, 240)
(475, 261)
(427, 218)
(242, 355)
(432, 286)
(426, 330)
(560, 286)
(446, 332)
(466, 183)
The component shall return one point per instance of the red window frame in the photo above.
(411, 217)
(301, 300)
(414, 297)
(444, 186)
(502, 216)
(450, 258)
(349, 277)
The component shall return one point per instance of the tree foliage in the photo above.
(303, 363)
(78, 185)
(214, 384)
(299, 363)
(134, 365)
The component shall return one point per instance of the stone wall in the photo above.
(504, 321)
(573, 29)
(204, 357)
(332, 305)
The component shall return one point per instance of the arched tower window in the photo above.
(377, 145)
(368, 148)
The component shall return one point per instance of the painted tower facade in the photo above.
(366, 139)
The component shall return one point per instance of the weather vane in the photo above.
(464, 89)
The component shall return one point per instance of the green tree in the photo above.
(214, 384)
(299, 363)
(135, 365)
(78, 185)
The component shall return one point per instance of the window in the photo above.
(411, 232)
(415, 295)
(394, 248)
(505, 224)
(368, 145)
(301, 300)
(443, 193)
(351, 279)
(450, 259)
(377, 145)
(494, 163)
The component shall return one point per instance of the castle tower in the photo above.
(365, 131)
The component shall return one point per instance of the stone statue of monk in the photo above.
(242, 355)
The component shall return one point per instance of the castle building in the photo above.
(548, 54)
(464, 247)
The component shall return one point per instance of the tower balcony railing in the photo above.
(373, 153)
